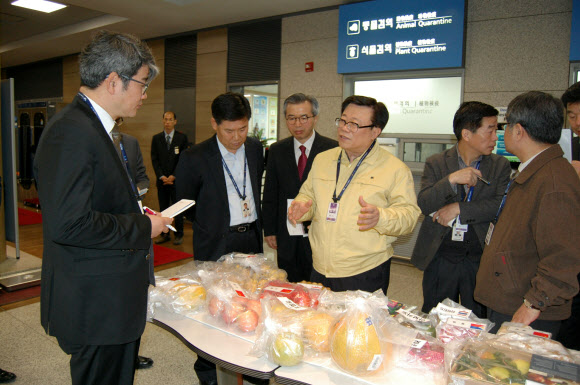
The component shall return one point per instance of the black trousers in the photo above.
(101, 364)
(454, 278)
(371, 280)
(246, 242)
(167, 196)
(569, 334)
(298, 262)
(543, 325)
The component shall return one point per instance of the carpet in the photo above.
(28, 217)
(7, 297)
(163, 255)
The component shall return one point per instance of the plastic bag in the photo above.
(357, 344)
(181, 294)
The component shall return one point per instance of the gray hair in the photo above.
(114, 52)
(301, 98)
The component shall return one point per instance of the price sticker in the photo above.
(291, 304)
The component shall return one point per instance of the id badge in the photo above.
(457, 235)
(246, 211)
(489, 233)
(332, 212)
(176, 150)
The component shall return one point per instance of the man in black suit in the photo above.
(287, 168)
(569, 334)
(224, 176)
(451, 187)
(97, 263)
(165, 150)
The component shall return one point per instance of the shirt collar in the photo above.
(225, 153)
(527, 162)
(462, 163)
(106, 119)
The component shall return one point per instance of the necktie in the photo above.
(301, 162)
(116, 134)
(168, 140)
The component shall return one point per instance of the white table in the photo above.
(225, 350)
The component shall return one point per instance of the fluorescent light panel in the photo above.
(39, 5)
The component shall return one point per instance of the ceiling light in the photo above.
(39, 5)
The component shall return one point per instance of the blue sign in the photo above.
(390, 35)
(575, 33)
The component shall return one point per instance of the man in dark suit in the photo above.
(569, 334)
(223, 175)
(286, 169)
(97, 264)
(165, 150)
(453, 189)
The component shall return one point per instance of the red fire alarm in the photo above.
(309, 66)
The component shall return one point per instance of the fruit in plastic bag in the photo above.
(247, 321)
(287, 349)
(317, 329)
(355, 344)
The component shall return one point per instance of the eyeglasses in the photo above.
(303, 119)
(351, 126)
(143, 85)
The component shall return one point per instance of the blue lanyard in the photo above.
(470, 193)
(123, 153)
(503, 199)
(242, 197)
(334, 197)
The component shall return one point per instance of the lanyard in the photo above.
(334, 197)
(242, 197)
(502, 204)
(124, 154)
(470, 193)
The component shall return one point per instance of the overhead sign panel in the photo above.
(390, 35)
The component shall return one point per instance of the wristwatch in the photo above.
(529, 305)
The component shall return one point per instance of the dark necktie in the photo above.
(302, 162)
(168, 140)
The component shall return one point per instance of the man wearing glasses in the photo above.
(359, 198)
(97, 263)
(289, 162)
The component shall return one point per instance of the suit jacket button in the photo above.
(497, 274)
(148, 256)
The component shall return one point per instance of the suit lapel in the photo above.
(252, 165)
(216, 171)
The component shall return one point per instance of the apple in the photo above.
(232, 311)
(247, 321)
(255, 305)
(215, 306)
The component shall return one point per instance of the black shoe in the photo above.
(6, 377)
(144, 362)
(178, 240)
(164, 238)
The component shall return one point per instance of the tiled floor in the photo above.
(38, 360)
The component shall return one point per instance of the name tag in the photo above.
(332, 212)
(489, 233)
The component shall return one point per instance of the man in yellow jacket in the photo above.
(359, 198)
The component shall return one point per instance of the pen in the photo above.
(484, 180)
(151, 212)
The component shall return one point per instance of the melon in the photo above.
(355, 345)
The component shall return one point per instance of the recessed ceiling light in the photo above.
(39, 5)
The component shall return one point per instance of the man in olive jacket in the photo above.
(529, 266)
